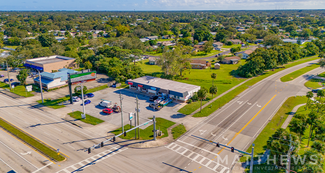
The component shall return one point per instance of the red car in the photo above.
(107, 111)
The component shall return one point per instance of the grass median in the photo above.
(232, 94)
(297, 73)
(28, 139)
(89, 119)
(314, 83)
(19, 90)
(178, 131)
(146, 134)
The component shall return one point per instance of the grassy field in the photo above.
(314, 83)
(89, 119)
(19, 90)
(322, 75)
(55, 103)
(178, 131)
(165, 39)
(153, 53)
(202, 54)
(146, 134)
(276, 122)
(234, 45)
(12, 47)
(28, 139)
(232, 94)
(297, 73)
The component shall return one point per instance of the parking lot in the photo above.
(129, 104)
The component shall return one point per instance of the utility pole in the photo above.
(8, 75)
(83, 116)
(154, 127)
(121, 113)
(40, 84)
(138, 121)
(289, 156)
(252, 159)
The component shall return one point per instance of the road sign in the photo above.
(77, 77)
(130, 116)
(29, 88)
(83, 116)
(145, 123)
(136, 109)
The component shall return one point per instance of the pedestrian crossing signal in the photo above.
(124, 133)
(102, 144)
(89, 150)
(232, 149)
(218, 145)
(113, 139)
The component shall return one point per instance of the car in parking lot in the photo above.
(15, 84)
(90, 95)
(85, 96)
(155, 106)
(87, 102)
(314, 90)
(7, 80)
(2, 75)
(107, 111)
(153, 98)
(76, 99)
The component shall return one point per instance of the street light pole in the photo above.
(8, 75)
(83, 102)
(252, 159)
(121, 113)
(40, 84)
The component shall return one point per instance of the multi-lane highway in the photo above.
(237, 124)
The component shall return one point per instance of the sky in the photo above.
(157, 5)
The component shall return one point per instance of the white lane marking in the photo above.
(213, 134)
(258, 105)
(18, 154)
(240, 102)
(43, 167)
(249, 103)
(7, 165)
(224, 138)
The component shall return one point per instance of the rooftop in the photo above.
(164, 84)
(49, 59)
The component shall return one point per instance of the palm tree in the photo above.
(201, 94)
(298, 126)
(213, 76)
(319, 147)
(321, 62)
(320, 95)
(312, 168)
(311, 121)
(309, 95)
(213, 90)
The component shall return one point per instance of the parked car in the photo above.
(85, 96)
(105, 103)
(15, 84)
(314, 90)
(87, 102)
(107, 111)
(153, 98)
(7, 80)
(2, 75)
(90, 95)
(76, 99)
(155, 106)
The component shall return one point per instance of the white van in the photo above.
(105, 103)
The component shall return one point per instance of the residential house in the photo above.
(153, 60)
(152, 37)
(198, 48)
(245, 53)
(165, 37)
(166, 43)
(202, 42)
(59, 39)
(216, 66)
(144, 39)
(217, 45)
(200, 64)
(213, 33)
(231, 60)
(235, 41)
(214, 24)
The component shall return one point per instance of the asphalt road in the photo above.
(237, 124)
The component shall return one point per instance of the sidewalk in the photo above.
(292, 113)
(205, 105)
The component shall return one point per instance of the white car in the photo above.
(76, 99)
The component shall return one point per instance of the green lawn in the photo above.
(232, 94)
(89, 119)
(149, 69)
(153, 53)
(55, 103)
(146, 134)
(165, 39)
(322, 75)
(19, 90)
(12, 47)
(276, 123)
(28, 139)
(234, 45)
(314, 83)
(297, 73)
(178, 131)
(202, 54)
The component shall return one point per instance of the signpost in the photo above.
(130, 118)
(29, 88)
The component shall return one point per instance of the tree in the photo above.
(213, 90)
(272, 40)
(322, 62)
(88, 65)
(312, 168)
(213, 76)
(298, 126)
(309, 95)
(121, 30)
(318, 146)
(47, 40)
(207, 47)
(311, 121)
(22, 76)
(77, 90)
(313, 157)
(201, 94)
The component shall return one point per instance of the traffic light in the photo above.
(102, 144)
(218, 145)
(113, 139)
(232, 149)
(124, 133)
(89, 150)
